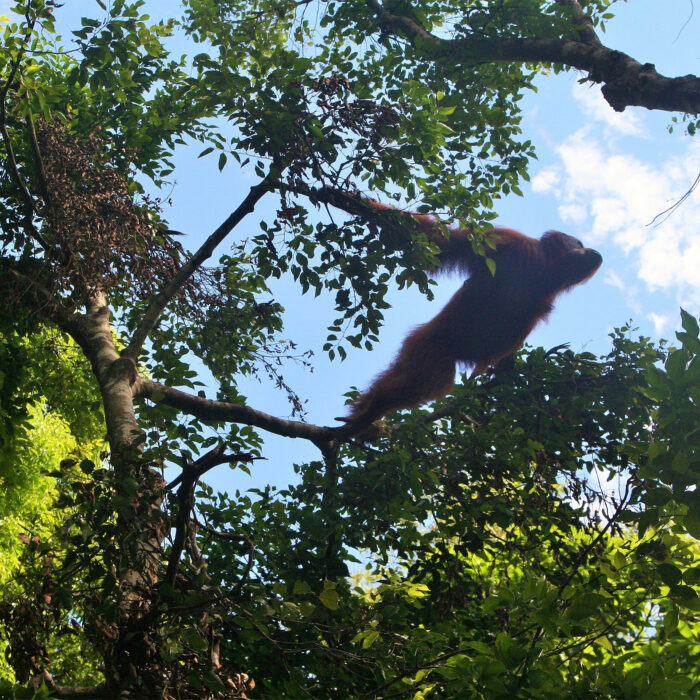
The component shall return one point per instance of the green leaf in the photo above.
(690, 324)
(480, 647)
(329, 598)
(370, 638)
(671, 620)
(584, 606)
(669, 574)
(692, 576)
(605, 643)
(685, 596)
(619, 560)
(657, 496)
(647, 519)
(301, 588)
(691, 522)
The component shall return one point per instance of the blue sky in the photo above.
(601, 176)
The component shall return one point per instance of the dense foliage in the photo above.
(536, 535)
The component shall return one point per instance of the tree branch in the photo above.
(160, 300)
(625, 81)
(584, 24)
(97, 692)
(357, 204)
(193, 472)
(225, 412)
(185, 497)
(38, 298)
(12, 166)
(38, 160)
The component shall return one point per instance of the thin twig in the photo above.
(664, 215)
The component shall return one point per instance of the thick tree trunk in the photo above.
(126, 643)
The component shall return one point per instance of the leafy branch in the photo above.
(625, 81)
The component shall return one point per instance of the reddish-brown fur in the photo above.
(487, 319)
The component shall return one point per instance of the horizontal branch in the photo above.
(357, 204)
(223, 411)
(96, 692)
(625, 81)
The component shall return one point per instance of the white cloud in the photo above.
(614, 280)
(574, 212)
(592, 103)
(629, 292)
(661, 322)
(547, 179)
(617, 195)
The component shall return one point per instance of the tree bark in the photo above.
(625, 82)
(207, 409)
(127, 654)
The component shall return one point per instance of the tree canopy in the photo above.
(535, 535)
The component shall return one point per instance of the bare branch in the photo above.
(222, 411)
(13, 168)
(94, 692)
(249, 565)
(357, 204)
(666, 213)
(15, 63)
(160, 300)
